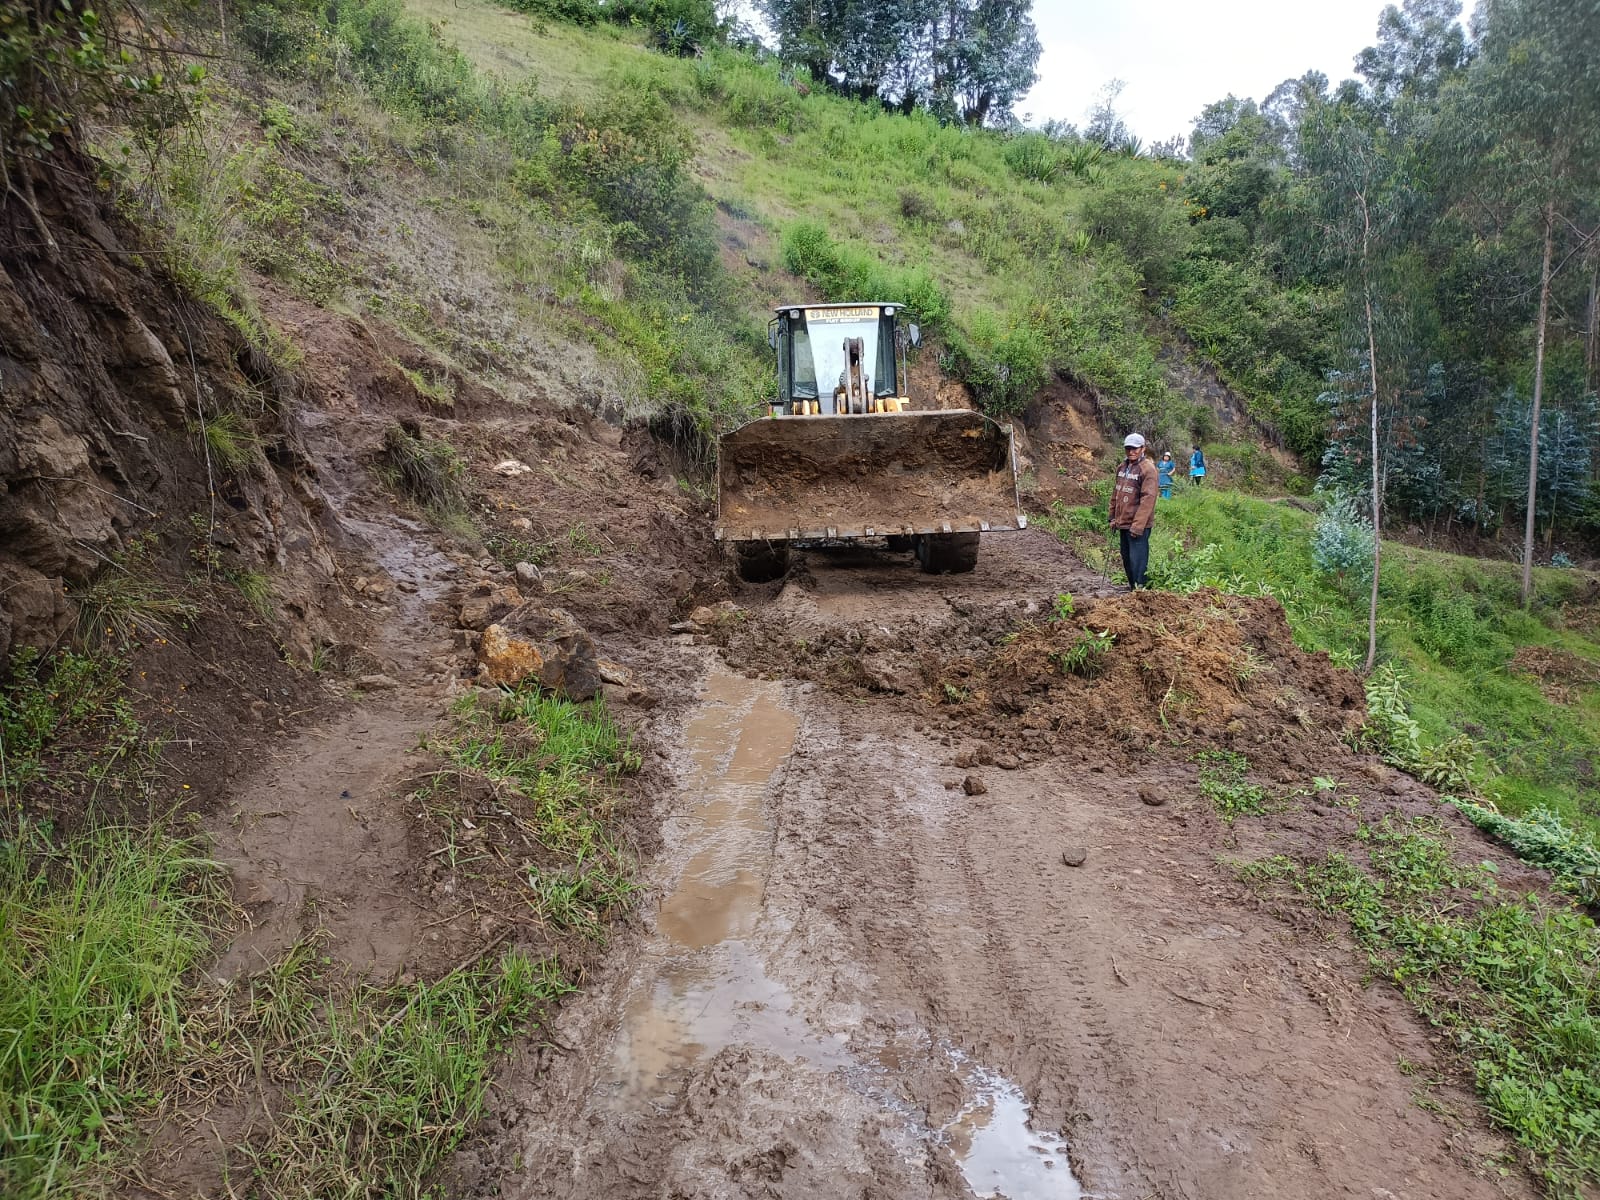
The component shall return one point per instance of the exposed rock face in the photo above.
(102, 366)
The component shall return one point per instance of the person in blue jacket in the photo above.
(1197, 467)
(1164, 470)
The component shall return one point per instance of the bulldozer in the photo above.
(844, 454)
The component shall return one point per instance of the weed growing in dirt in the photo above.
(256, 588)
(547, 762)
(1222, 781)
(126, 602)
(1514, 980)
(1086, 657)
(440, 392)
(1062, 608)
(96, 933)
(426, 469)
(65, 727)
(231, 443)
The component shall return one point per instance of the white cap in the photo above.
(1133, 439)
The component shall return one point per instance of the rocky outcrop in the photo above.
(106, 372)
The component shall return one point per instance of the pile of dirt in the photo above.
(1560, 672)
(1122, 672)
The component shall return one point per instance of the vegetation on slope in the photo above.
(1517, 683)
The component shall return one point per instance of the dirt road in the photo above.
(857, 979)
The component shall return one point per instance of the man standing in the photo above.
(1133, 507)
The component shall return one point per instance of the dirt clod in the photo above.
(1152, 797)
(1074, 856)
(972, 785)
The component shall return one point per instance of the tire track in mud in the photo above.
(935, 947)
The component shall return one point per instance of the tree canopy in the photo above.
(966, 60)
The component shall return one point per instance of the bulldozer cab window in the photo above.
(800, 370)
(883, 380)
(828, 331)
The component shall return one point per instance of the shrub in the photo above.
(1343, 543)
(1003, 363)
(426, 469)
(1032, 156)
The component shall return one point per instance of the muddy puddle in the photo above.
(704, 988)
(703, 984)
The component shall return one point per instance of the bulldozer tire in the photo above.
(947, 553)
(762, 562)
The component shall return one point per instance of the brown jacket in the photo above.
(1133, 499)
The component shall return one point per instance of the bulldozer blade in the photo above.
(872, 474)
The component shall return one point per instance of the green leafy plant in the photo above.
(1086, 656)
(1062, 607)
(1223, 782)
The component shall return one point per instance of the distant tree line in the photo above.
(1448, 199)
(962, 60)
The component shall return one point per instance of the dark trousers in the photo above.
(1135, 557)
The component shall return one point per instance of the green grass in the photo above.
(1449, 624)
(107, 1023)
(1223, 782)
(96, 936)
(65, 730)
(1514, 982)
(550, 762)
(383, 1082)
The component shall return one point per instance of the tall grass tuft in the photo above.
(96, 934)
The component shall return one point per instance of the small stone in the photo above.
(985, 755)
(965, 759)
(512, 467)
(522, 524)
(528, 578)
(1007, 762)
(703, 616)
(973, 786)
(1074, 856)
(377, 683)
(1151, 797)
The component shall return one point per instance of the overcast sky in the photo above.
(1176, 56)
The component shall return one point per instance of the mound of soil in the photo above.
(1560, 673)
(1124, 673)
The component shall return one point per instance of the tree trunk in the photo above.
(1377, 487)
(1591, 340)
(1538, 395)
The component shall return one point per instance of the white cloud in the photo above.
(1176, 56)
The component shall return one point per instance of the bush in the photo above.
(1136, 216)
(630, 157)
(1342, 544)
(1003, 364)
(1032, 156)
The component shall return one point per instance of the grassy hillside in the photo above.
(1519, 684)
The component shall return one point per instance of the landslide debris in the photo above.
(1132, 671)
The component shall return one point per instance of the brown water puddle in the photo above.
(702, 985)
(702, 988)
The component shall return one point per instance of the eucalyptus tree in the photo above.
(964, 60)
(1527, 120)
(1356, 194)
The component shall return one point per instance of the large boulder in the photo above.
(545, 645)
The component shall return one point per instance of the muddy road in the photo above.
(881, 957)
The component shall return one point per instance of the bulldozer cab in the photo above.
(840, 358)
(843, 454)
